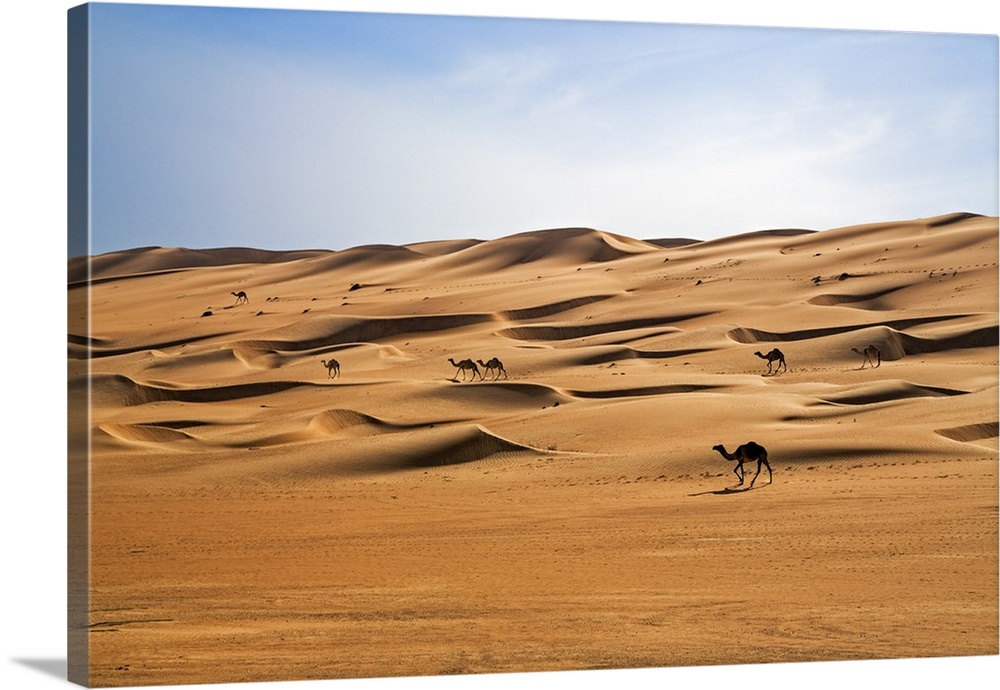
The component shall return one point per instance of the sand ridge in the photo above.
(255, 519)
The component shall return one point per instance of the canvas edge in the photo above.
(78, 401)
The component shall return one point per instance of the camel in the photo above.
(748, 452)
(494, 364)
(463, 365)
(870, 352)
(241, 297)
(332, 368)
(773, 356)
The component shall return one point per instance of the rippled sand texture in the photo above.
(254, 517)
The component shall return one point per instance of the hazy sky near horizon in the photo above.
(289, 129)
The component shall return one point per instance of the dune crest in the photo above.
(971, 432)
(147, 434)
(341, 421)
(458, 446)
(888, 391)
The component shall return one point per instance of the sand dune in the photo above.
(341, 422)
(887, 391)
(406, 518)
(146, 433)
(561, 247)
(166, 259)
(971, 432)
(871, 300)
(571, 331)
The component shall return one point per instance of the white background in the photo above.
(33, 155)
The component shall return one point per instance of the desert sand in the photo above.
(254, 516)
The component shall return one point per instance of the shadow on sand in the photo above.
(724, 492)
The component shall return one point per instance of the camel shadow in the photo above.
(729, 490)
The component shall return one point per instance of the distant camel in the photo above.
(332, 368)
(773, 356)
(463, 365)
(494, 364)
(241, 297)
(748, 452)
(871, 352)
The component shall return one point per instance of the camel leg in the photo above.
(765, 463)
(739, 474)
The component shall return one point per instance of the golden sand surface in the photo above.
(254, 517)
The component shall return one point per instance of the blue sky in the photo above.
(285, 129)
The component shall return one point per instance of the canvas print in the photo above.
(418, 345)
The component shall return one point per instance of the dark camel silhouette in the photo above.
(871, 352)
(773, 356)
(241, 297)
(748, 452)
(494, 364)
(332, 368)
(463, 365)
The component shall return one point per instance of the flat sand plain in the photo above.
(254, 518)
